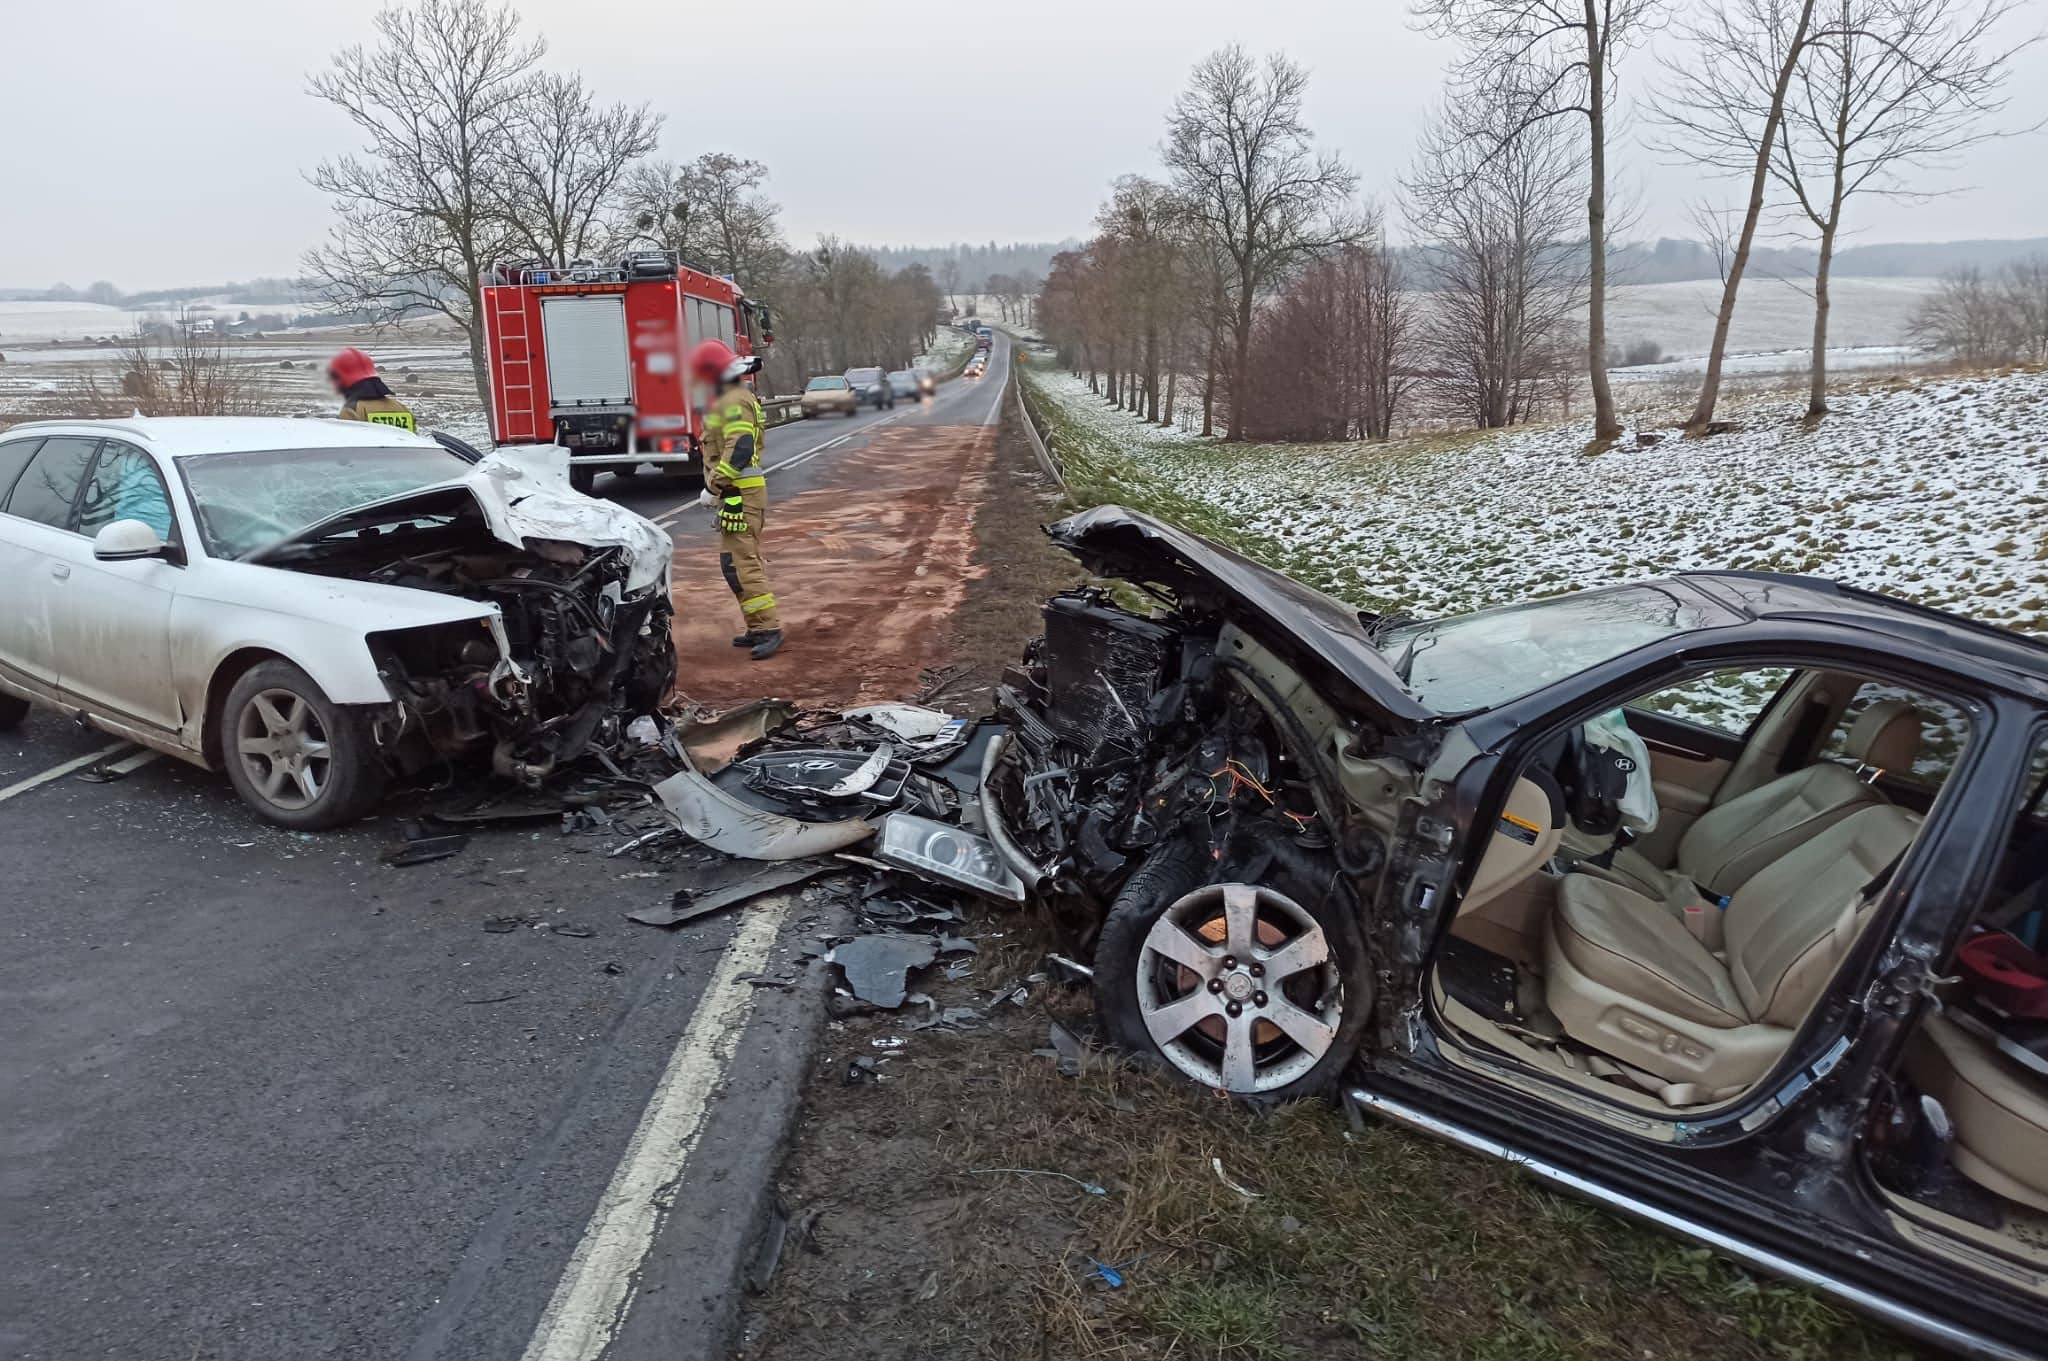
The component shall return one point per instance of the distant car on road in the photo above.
(823, 396)
(927, 381)
(871, 387)
(903, 385)
(315, 606)
(974, 367)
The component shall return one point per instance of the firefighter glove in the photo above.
(732, 514)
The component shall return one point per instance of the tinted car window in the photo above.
(49, 485)
(14, 456)
(125, 485)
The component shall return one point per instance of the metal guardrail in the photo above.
(1041, 444)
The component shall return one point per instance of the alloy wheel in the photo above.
(1238, 989)
(283, 748)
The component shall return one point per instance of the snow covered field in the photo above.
(1775, 315)
(24, 323)
(1935, 490)
(283, 377)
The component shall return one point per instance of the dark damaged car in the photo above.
(316, 606)
(1714, 898)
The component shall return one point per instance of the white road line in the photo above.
(58, 772)
(589, 1302)
(129, 765)
(997, 405)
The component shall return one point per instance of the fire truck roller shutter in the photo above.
(588, 362)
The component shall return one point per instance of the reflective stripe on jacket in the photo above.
(735, 437)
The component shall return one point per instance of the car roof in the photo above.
(189, 436)
(1772, 595)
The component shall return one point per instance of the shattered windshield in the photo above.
(250, 501)
(1476, 661)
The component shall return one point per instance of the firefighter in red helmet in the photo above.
(364, 397)
(737, 484)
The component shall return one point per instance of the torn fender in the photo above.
(710, 815)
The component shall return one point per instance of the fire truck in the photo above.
(590, 357)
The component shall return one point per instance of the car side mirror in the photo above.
(127, 541)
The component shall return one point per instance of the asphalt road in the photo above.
(800, 453)
(265, 1097)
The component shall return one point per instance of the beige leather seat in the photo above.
(1734, 840)
(1623, 975)
(1999, 1110)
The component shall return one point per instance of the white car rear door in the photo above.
(112, 620)
(37, 496)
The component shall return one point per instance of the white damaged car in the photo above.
(315, 606)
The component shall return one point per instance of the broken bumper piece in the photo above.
(724, 823)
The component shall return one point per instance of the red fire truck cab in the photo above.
(590, 357)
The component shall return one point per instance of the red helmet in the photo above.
(350, 367)
(710, 361)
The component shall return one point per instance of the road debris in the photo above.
(688, 905)
(1066, 1049)
(712, 742)
(723, 822)
(422, 847)
(1237, 1186)
(877, 967)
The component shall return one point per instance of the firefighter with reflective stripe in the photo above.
(736, 482)
(364, 397)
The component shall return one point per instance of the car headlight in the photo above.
(942, 852)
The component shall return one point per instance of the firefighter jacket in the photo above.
(371, 401)
(734, 436)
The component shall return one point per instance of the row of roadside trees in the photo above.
(1249, 277)
(475, 152)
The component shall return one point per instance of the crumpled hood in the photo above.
(523, 494)
(1114, 541)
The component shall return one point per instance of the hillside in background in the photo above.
(1672, 261)
(977, 262)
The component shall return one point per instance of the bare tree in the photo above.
(743, 223)
(419, 207)
(662, 213)
(1724, 108)
(1968, 319)
(713, 214)
(1329, 361)
(1244, 166)
(1144, 219)
(949, 280)
(174, 371)
(565, 162)
(1505, 279)
(1538, 61)
(1889, 86)
(2025, 292)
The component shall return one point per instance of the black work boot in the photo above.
(766, 644)
(747, 639)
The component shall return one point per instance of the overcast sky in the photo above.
(155, 144)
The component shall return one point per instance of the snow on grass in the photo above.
(1933, 491)
(948, 347)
